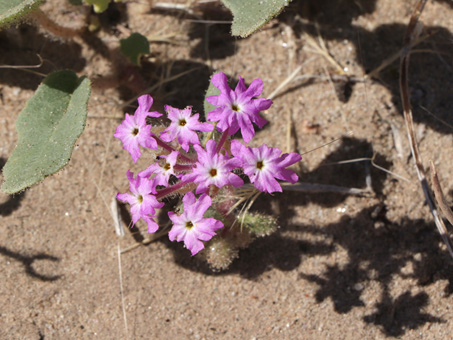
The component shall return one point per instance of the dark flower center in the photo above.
(235, 107)
(167, 166)
(135, 132)
(189, 225)
(140, 199)
(213, 172)
(182, 122)
(259, 164)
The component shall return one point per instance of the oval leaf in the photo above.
(99, 6)
(250, 15)
(134, 47)
(11, 10)
(48, 128)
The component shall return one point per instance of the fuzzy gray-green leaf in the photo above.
(11, 10)
(48, 128)
(250, 15)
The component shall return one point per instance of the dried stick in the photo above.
(319, 47)
(123, 301)
(323, 188)
(41, 61)
(392, 58)
(410, 36)
(285, 82)
(440, 198)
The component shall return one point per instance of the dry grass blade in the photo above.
(116, 216)
(435, 117)
(285, 82)
(242, 195)
(147, 239)
(411, 35)
(325, 188)
(246, 208)
(123, 302)
(319, 47)
(160, 83)
(375, 73)
(25, 66)
(440, 198)
(372, 163)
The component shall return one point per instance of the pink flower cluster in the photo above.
(206, 168)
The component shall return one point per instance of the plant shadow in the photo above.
(431, 73)
(209, 30)
(378, 250)
(28, 261)
(378, 254)
(373, 255)
(21, 46)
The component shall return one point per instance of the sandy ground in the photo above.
(339, 266)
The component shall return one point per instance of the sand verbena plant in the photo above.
(216, 169)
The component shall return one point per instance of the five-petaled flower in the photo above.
(237, 109)
(134, 131)
(264, 164)
(213, 168)
(183, 126)
(162, 171)
(191, 227)
(142, 200)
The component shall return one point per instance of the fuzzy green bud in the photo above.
(258, 224)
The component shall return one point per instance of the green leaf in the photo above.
(258, 224)
(250, 15)
(48, 128)
(211, 91)
(99, 6)
(11, 10)
(134, 47)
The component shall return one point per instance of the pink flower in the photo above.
(264, 164)
(134, 131)
(236, 109)
(183, 127)
(163, 171)
(213, 168)
(190, 226)
(143, 202)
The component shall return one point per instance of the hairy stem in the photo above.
(51, 26)
(222, 140)
(187, 186)
(167, 147)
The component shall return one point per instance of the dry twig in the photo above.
(325, 188)
(411, 35)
